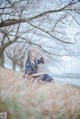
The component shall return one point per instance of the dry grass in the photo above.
(23, 99)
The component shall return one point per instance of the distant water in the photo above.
(73, 81)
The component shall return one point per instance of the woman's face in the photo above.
(33, 54)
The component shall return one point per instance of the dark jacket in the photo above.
(32, 67)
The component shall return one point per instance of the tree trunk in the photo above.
(2, 60)
(2, 52)
(14, 66)
(21, 69)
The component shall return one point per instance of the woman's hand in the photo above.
(42, 60)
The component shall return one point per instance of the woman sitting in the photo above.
(31, 66)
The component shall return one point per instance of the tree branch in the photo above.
(49, 33)
(16, 21)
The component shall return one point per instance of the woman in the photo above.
(31, 66)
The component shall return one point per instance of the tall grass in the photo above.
(24, 99)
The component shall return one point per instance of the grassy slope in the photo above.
(23, 99)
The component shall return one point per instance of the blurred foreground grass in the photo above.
(23, 99)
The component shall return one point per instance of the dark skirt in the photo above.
(47, 78)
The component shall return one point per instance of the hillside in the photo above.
(23, 99)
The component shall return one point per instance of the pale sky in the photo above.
(69, 65)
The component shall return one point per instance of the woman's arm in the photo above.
(40, 52)
(41, 60)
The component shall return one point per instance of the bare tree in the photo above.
(7, 41)
(21, 16)
(16, 54)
